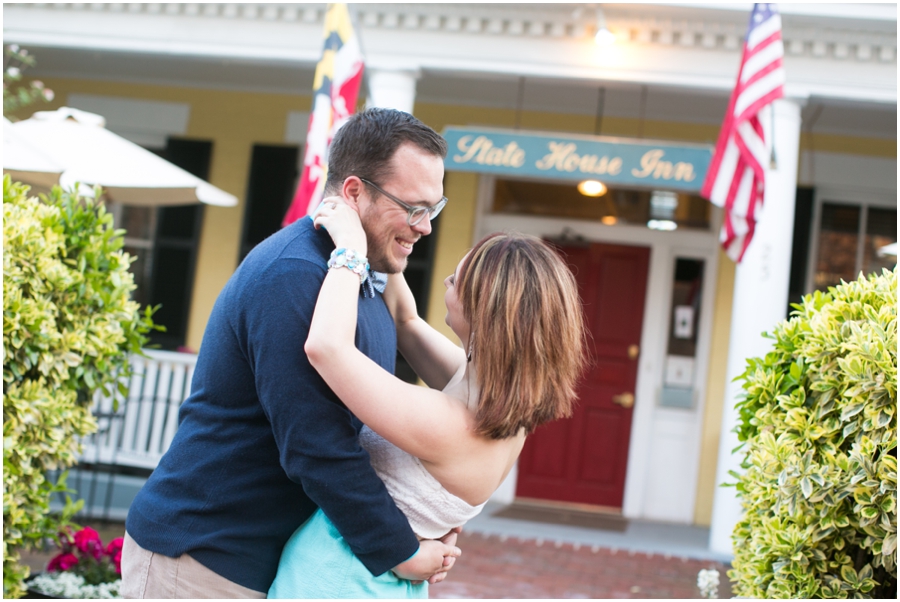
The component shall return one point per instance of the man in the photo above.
(262, 441)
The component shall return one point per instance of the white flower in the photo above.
(708, 583)
(13, 72)
(69, 585)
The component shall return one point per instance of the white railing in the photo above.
(140, 430)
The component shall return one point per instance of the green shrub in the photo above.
(818, 422)
(17, 94)
(68, 326)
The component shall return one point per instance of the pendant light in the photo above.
(595, 188)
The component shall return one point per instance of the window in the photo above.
(881, 230)
(849, 238)
(164, 242)
(139, 224)
(803, 211)
(270, 189)
(838, 236)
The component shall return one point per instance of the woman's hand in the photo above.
(342, 224)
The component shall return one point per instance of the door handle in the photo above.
(633, 351)
(626, 400)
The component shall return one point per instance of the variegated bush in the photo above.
(819, 432)
(68, 326)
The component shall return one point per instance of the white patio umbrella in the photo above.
(26, 163)
(92, 155)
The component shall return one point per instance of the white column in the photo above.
(760, 302)
(394, 89)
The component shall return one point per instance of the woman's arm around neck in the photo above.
(433, 357)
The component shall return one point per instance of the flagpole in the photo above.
(758, 197)
(334, 100)
(773, 163)
(354, 20)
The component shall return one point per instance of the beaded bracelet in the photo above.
(350, 259)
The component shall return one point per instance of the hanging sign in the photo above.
(621, 161)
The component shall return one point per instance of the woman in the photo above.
(444, 450)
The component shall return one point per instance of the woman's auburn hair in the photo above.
(527, 332)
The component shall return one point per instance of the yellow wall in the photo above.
(234, 121)
(715, 391)
(454, 239)
(438, 116)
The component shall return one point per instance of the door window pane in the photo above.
(618, 206)
(178, 223)
(838, 239)
(881, 230)
(687, 289)
(138, 222)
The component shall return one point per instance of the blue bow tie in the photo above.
(375, 281)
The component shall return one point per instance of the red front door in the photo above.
(583, 459)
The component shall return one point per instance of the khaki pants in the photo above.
(146, 574)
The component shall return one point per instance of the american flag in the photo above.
(335, 89)
(736, 177)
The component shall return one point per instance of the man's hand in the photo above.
(430, 562)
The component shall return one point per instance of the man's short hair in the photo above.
(365, 145)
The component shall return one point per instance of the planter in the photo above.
(33, 594)
(70, 590)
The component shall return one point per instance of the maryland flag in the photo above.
(336, 87)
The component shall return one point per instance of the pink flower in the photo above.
(114, 551)
(65, 540)
(88, 541)
(84, 554)
(115, 546)
(62, 562)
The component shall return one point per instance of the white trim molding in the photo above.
(702, 26)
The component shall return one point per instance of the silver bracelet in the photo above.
(350, 259)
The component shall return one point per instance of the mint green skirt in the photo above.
(317, 563)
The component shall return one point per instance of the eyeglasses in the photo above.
(415, 214)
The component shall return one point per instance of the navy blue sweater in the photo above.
(262, 441)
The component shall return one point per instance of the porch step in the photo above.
(563, 515)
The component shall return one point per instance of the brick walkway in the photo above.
(514, 568)
(509, 567)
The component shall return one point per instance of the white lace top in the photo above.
(431, 510)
